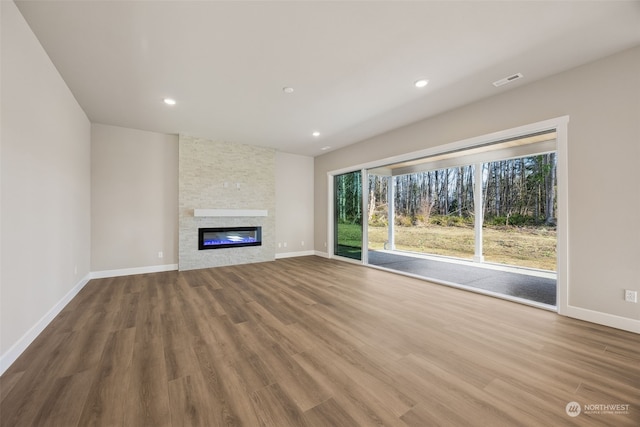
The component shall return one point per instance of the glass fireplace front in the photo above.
(229, 237)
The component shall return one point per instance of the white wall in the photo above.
(45, 193)
(134, 199)
(294, 205)
(602, 100)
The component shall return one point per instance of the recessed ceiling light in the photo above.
(287, 89)
(169, 101)
(316, 134)
(325, 148)
(421, 83)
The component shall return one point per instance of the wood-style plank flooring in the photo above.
(313, 342)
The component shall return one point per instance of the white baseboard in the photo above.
(597, 317)
(611, 320)
(130, 271)
(322, 254)
(21, 345)
(294, 254)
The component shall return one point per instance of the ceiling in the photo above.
(352, 64)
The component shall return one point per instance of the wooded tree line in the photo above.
(348, 198)
(516, 191)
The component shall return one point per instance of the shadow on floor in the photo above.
(520, 285)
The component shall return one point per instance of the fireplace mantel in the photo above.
(229, 212)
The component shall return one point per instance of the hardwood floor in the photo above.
(314, 342)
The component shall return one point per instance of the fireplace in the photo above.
(229, 237)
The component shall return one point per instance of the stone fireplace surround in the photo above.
(224, 185)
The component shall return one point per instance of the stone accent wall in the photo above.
(209, 175)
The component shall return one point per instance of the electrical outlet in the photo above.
(160, 254)
(284, 244)
(630, 296)
(302, 243)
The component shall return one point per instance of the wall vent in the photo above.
(509, 79)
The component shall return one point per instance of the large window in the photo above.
(433, 212)
(487, 213)
(495, 202)
(519, 197)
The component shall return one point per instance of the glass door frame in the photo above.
(362, 214)
(559, 124)
(331, 215)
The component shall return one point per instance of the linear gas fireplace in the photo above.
(229, 237)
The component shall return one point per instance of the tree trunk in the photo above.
(460, 178)
(550, 182)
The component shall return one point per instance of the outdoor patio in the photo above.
(512, 282)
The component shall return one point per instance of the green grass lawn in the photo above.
(533, 247)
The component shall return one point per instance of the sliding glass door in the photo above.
(493, 203)
(348, 215)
